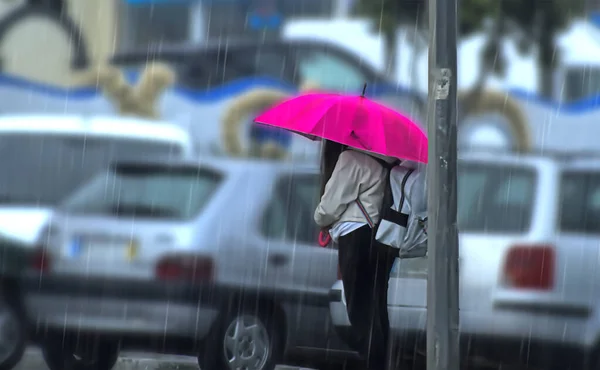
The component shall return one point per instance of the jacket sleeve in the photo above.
(341, 190)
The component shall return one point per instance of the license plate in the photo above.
(91, 250)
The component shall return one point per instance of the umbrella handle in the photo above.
(324, 238)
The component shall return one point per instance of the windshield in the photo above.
(495, 198)
(44, 169)
(215, 68)
(146, 192)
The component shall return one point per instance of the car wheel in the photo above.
(12, 336)
(246, 341)
(76, 353)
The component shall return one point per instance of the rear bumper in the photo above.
(118, 307)
(526, 338)
(498, 336)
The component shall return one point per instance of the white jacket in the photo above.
(356, 176)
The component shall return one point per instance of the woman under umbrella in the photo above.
(370, 138)
(358, 180)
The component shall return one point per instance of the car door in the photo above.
(407, 295)
(294, 259)
(300, 270)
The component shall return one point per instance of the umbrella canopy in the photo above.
(350, 120)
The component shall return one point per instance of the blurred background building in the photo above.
(106, 26)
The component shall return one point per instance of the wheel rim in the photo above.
(246, 344)
(10, 334)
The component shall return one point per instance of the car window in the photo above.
(44, 169)
(595, 199)
(581, 82)
(145, 192)
(579, 202)
(473, 180)
(142, 25)
(495, 198)
(217, 67)
(227, 65)
(330, 71)
(514, 191)
(289, 215)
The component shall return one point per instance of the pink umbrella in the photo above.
(350, 120)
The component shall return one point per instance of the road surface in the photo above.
(32, 360)
(129, 361)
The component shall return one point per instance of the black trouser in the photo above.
(365, 270)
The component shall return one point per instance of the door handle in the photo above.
(278, 259)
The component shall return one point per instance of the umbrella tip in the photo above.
(364, 90)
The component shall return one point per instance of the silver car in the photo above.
(529, 249)
(221, 252)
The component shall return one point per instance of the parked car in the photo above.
(43, 159)
(529, 246)
(46, 157)
(222, 252)
(14, 257)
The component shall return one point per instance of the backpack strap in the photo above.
(403, 185)
(397, 217)
(388, 167)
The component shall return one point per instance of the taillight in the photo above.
(40, 260)
(185, 268)
(530, 267)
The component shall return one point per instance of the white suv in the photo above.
(529, 252)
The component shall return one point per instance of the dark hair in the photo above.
(330, 152)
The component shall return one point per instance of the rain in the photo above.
(240, 184)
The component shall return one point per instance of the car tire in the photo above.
(254, 339)
(77, 353)
(13, 338)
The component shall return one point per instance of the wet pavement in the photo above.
(32, 360)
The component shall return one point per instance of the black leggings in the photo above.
(365, 270)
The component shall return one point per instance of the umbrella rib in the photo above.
(308, 108)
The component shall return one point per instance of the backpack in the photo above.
(403, 221)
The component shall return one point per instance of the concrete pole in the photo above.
(442, 279)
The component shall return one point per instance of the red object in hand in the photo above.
(324, 238)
